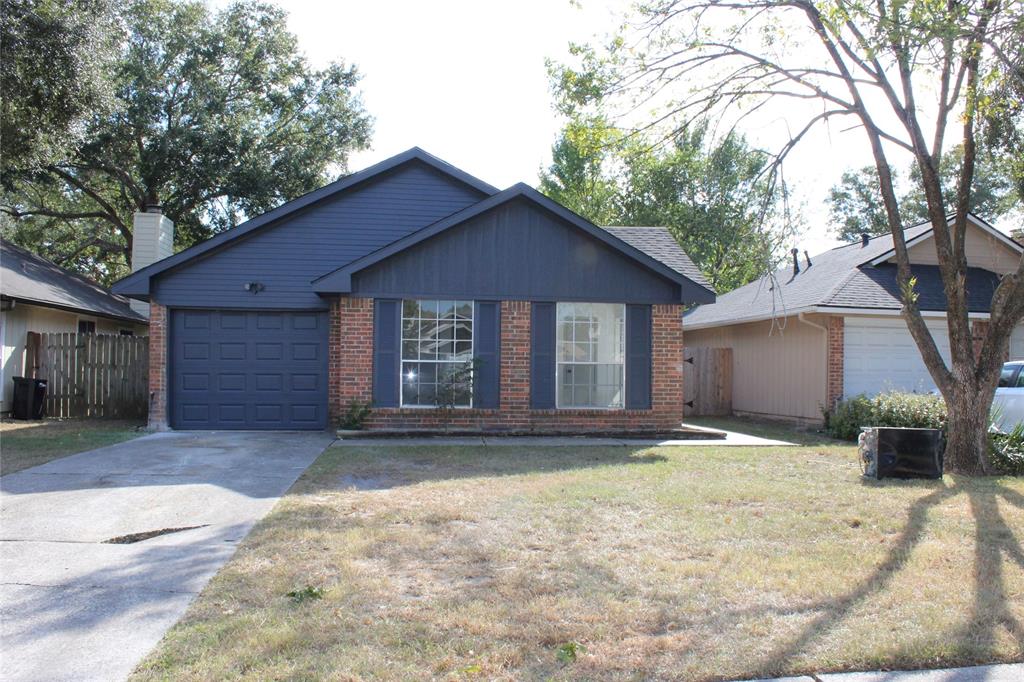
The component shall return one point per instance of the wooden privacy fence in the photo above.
(91, 375)
(707, 381)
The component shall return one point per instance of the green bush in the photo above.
(845, 420)
(355, 415)
(909, 410)
(1006, 451)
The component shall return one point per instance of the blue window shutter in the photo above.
(638, 357)
(542, 356)
(387, 351)
(486, 346)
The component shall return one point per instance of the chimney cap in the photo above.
(864, 238)
(154, 208)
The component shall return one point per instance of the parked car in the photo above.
(1008, 404)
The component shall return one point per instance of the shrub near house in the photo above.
(918, 410)
(907, 410)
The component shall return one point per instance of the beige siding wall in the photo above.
(778, 373)
(17, 322)
(983, 251)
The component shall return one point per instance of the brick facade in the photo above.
(836, 352)
(350, 377)
(515, 414)
(157, 367)
(350, 354)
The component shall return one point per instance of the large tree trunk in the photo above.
(967, 429)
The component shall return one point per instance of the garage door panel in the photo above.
(1017, 343)
(881, 355)
(248, 370)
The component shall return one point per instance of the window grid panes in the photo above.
(591, 351)
(437, 339)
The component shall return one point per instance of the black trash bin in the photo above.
(29, 398)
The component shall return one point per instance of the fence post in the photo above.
(31, 367)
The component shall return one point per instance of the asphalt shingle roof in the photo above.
(27, 277)
(659, 244)
(840, 277)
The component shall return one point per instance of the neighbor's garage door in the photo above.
(1017, 343)
(248, 370)
(881, 355)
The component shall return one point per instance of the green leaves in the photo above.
(855, 203)
(307, 593)
(711, 194)
(219, 117)
(569, 652)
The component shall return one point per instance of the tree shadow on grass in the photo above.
(994, 541)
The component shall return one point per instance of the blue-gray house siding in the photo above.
(515, 251)
(285, 258)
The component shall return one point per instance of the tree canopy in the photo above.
(218, 116)
(917, 78)
(855, 204)
(54, 59)
(711, 196)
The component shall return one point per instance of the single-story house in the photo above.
(377, 286)
(39, 296)
(829, 326)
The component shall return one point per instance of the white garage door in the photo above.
(1017, 343)
(881, 355)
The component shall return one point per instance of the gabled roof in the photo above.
(851, 276)
(138, 282)
(29, 278)
(340, 280)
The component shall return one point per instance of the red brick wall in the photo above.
(515, 413)
(157, 367)
(836, 351)
(350, 358)
(514, 397)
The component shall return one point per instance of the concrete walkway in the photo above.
(75, 608)
(731, 439)
(1010, 672)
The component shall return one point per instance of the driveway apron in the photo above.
(76, 607)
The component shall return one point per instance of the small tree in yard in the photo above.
(917, 77)
(454, 385)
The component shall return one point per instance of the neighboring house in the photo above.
(38, 296)
(374, 287)
(801, 340)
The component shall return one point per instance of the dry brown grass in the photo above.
(670, 563)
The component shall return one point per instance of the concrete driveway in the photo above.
(75, 608)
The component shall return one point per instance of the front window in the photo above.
(437, 352)
(591, 355)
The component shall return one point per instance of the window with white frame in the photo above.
(437, 342)
(591, 352)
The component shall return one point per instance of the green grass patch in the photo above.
(25, 444)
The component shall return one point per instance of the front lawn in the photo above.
(609, 563)
(25, 444)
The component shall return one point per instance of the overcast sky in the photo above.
(466, 80)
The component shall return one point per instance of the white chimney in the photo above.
(152, 240)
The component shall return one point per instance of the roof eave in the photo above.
(129, 319)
